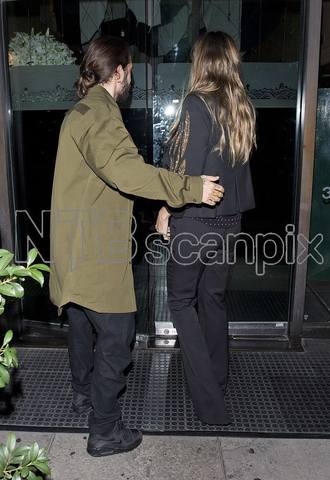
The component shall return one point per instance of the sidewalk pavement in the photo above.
(187, 458)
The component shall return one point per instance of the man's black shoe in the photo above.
(120, 439)
(81, 403)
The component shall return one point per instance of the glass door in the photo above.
(45, 42)
(269, 36)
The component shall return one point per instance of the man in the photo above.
(98, 169)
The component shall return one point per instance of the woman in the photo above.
(214, 134)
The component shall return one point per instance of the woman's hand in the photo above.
(212, 192)
(162, 223)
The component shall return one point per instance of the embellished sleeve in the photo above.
(187, 150)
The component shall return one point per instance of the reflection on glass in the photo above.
(46, 42)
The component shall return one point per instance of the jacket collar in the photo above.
(99, 92)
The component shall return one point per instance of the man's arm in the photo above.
(110, 152)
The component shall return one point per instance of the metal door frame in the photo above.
(7, 209)
(305, 152)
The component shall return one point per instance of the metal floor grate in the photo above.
(269, 393)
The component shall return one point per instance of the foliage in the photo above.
(8, 359)
(11, 278)
(11, 275)
(18, 463)
(38, 49)
(28, 462)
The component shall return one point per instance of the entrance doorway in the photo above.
(161, 33)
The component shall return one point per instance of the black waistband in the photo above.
(221, 220)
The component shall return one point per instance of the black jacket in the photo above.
(191, 152)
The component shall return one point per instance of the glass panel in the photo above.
(46, 42)
(42, 72)
(269, 39)
(161, 33)
(317, 300)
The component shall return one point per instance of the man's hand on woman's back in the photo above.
(212, 192)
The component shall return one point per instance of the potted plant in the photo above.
(42, 71)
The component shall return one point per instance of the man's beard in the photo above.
(125, 93)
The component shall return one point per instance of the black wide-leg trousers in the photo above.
(99, 352)
(197, 275)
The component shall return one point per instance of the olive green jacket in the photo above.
(98, 171)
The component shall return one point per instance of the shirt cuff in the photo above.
(195, 193)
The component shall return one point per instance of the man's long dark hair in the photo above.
(100, 61)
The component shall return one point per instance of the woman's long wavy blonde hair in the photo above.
(215, 78)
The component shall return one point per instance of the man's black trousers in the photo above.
(99, 352)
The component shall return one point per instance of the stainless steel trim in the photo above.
(258, 328)
(6, 183)
(306, 122)
(166, 329)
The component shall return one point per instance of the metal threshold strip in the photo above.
(235, 328)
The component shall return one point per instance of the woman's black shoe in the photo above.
(120, 439)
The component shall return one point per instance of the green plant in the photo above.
(29, 462)
(11, 278)
(38, 49)
(17, 463)
(8, 359)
